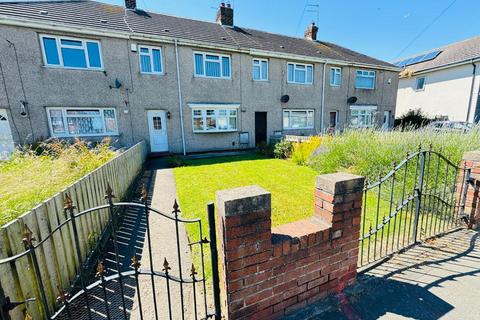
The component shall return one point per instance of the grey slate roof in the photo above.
(85, 13)
(453, 53)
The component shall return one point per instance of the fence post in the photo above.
(418, 196)
(214, 257)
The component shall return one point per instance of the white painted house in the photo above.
(442, 82)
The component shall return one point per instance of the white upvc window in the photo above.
(260, 70)
(211, 65)
(82, 122)
(150, 59)
(298, 119)
(420, 84)
(73, 53)
(214, 118)
(362, 116)
(299, 73)
(365, 79)
(335, 77)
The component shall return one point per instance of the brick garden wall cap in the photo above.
(244, 200)
(472, 155)
(339, 183)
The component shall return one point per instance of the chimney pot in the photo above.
(131, 4)
(311, 32)
(225, 15)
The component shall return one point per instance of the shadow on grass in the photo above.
(223, 159)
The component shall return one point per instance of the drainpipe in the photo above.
(322, 108)
(469, 107)
(180, 102)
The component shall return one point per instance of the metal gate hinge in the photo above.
(9, 305)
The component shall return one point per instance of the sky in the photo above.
(384, 29)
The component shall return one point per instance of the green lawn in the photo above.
(292, 187)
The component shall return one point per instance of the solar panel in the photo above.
(417, 59)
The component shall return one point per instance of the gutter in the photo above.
(469, 107)
(52, 26)
(180, 102)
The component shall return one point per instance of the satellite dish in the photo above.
(285, 98)
(352, 100)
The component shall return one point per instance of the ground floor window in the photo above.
(214, 118)
(298, 119)
(362, 116)
(75, 122)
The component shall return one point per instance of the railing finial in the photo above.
(68, 203)
(135, 262)
(100, 269)
(166, 266)
(193, 272)
(175, 208)
(28, 237)
(109, 192)
(144, 194)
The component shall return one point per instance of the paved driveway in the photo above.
(435, 280)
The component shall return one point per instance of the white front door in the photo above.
(6, 139)
(157, 126)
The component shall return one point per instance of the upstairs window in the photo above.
(77, 122)
(365, 79)
(214, 119)
(300, 73)
(260, 70)
(71, 53)
(150, 60)
(420, 84)
(211, 65)
(298, 119)
(335, 77)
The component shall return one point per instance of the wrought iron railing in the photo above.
(422, 197)
(77, 296)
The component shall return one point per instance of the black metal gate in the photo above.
(420, 198)
(112, 287)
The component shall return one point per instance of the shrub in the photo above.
(265, 149)
(283, 149)
(412, 119)
(303, 151)
(175, 161)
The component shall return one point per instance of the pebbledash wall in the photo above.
(59, 87)
(267, 272)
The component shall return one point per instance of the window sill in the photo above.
(291, 129)
(85, 135)
(214, 78)
(216, 131)
(300, 83)
(152, 73)
(364, 88)
(72, 68)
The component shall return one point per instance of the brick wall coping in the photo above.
(244, 200)
(339, 183)
(472, 156)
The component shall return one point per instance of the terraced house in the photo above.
(88, 69)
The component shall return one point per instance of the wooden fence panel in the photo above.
(57, 257)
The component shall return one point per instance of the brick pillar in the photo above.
(472, 207)
(269, 273)
(338, 201)
(245, 215)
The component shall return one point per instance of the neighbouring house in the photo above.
(89, 69)
(443, 82)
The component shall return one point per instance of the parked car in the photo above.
(462, 126)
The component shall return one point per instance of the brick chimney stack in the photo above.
(311, 32)
(225, 15)
(131, 4)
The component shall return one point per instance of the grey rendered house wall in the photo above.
(55, 87)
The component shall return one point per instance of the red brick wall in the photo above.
(269, 273)
(472, 207)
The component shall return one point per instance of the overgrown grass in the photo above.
(372, 153)
(32, 176)
(291, 187)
